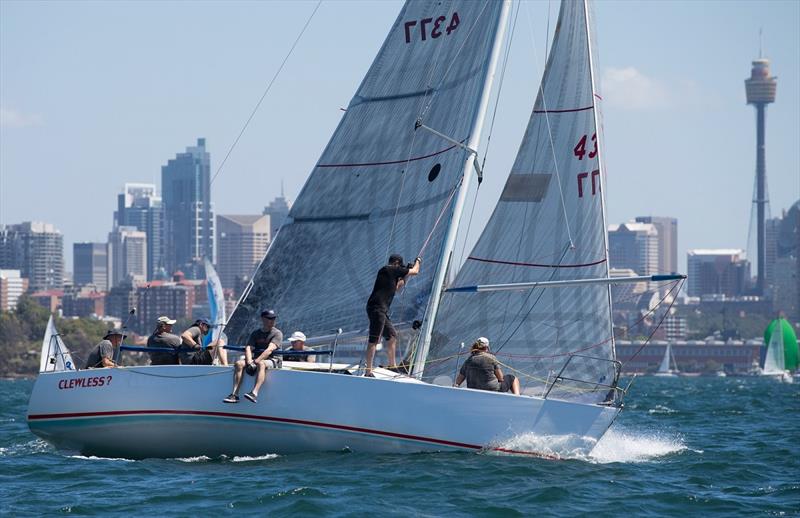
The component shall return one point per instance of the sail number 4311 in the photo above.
(431, 27)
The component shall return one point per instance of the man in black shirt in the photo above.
(257, 352)
(390, 278)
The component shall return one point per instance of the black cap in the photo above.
(395, 258)
(268, 313)
(201, 321)
(112, 332)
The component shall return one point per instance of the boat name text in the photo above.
(94, 381)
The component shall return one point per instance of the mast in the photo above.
(466, 175)
(602, 174)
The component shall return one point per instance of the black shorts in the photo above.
(379, 325)
(508, 381)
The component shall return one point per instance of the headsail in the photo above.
(216, 303)
(774, 362)
(548, 225)
(380, 186)
(55, 355)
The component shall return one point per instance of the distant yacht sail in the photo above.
(216, 303)
(667, 363)
(774, 363)
(55, 355)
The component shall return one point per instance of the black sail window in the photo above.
(434, 172)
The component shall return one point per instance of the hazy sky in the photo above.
(96, 94)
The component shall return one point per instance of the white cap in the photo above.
(483, 341)
(165, 320)
(297, 336)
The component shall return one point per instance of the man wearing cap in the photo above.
(193, 352)
(102, 354)
(257, 352)
(298, 341)
(390, 278)
(162, 338)
(482, 371)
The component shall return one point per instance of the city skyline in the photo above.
(680, 139)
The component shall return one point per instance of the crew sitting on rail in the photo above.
(482, 371)
(162, 337)
(298, 341)
(103, 353)
(193, 352)
(262, 342)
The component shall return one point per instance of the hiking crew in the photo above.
(390, 278)
(257, 352)
(298, 341)
(482, 371)
(103, 353)
(162, 337)
(193, 352)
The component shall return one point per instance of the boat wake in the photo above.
(615, 446)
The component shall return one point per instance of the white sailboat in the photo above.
(774, 361)
(409, 136)
(668, 367)
(55, 357)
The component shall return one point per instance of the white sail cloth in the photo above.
(55, 356)
(774, 362)
(216, 303)
(547, 225)
(380, 186)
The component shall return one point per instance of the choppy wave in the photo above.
(250, 459)
(92, 457)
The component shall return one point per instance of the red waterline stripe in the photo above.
(565, 111)
(512, 263)
(445, 150)
(35, 417)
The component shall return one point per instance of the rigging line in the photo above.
(266, 91)
(679, 285)
(550, 134)
(500, 87)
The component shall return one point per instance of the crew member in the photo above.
(257, 352)
(482, 371)
(162, 337)
(193, 352)
(298, 341)
(390, 278)
(103, 353)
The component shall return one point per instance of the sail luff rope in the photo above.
(266, 91)
(550, 138)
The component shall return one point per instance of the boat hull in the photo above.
(177, 411)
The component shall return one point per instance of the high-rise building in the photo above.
(717, 272)
(242, 242)
(635, 246)
(90, 265)
(36, 250)
(188, 212)
(12, 286)
(127, 255)
(163, 298)
(139, 206)
(782, 266)
(760, 88)
(278, 211)
(667, 242)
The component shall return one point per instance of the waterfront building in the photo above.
(90, 265)
(242, 242)
(120, 299)
(782, 268)
(691, 356)
(83, 302)
(48, 299)
(277, 210)
(667, 240)
(127, 255)
(12, 286)
(634, 246)
(717, 272)
(188, 213)
(139, 206)
(163, 298)
(35, 249)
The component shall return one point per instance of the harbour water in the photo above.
(722, 446)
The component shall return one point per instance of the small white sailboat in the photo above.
(55, 356)
(537, 281)
(668, 368)
(774, 361)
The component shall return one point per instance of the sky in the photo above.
(97, 94)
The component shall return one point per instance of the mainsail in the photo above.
(55, 355)
(381, 186)
(547, 226)
(774, 362)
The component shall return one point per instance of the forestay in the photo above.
(380, 186)
(548, 225)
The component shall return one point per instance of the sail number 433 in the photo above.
(431, 27)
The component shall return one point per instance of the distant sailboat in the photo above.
(774, 361)
(668, 367)
(55, 356)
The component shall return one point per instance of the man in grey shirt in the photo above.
(103, 353)
(482, 371)
(162, 338)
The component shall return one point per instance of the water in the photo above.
(724, 446)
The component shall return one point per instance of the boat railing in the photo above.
(614, 393)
